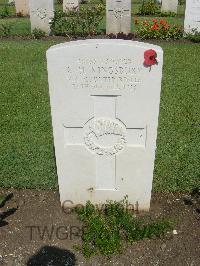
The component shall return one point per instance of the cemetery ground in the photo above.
(27, 163)
(35, 224)
(39, 232)
(11, 25)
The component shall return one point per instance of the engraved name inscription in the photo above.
(105, 136)
(107, 73)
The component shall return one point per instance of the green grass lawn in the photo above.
(26, 142)
(26, 149)
(178, 162)
(18, 26)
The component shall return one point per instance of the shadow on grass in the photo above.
(52, 256)
(5, 214)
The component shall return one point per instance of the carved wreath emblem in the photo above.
(97, 131)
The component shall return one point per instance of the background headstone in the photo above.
(70, 5)
(169, 6)
(118, 16)
(105, 106)
(192, 16)
(22, 7)
(41, 13)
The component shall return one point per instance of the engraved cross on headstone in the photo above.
(106, 137)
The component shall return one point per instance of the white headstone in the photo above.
(192, 15)
(41, 13)
(169, 6)
(70, 5)
(22, 7)
(105, 106)
(118, 16)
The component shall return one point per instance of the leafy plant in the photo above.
(159, 30)
(62, 24)
(107, 230)
(194, 36)
(82, 22)
(5, 30)
(5, 12)
(181, 2)
(38, 34)
(149, 7)
(167, 14)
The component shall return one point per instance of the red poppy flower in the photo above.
(155, 27)
(150, 57)
(155, 20)
(163, 22)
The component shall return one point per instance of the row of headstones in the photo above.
(41, 11)
(118, 13)
(192, 13)
(22, 6)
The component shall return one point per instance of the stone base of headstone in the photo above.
(118, 16)
(22, 7)
(169, 6)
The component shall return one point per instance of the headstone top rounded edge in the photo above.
(106, 42)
